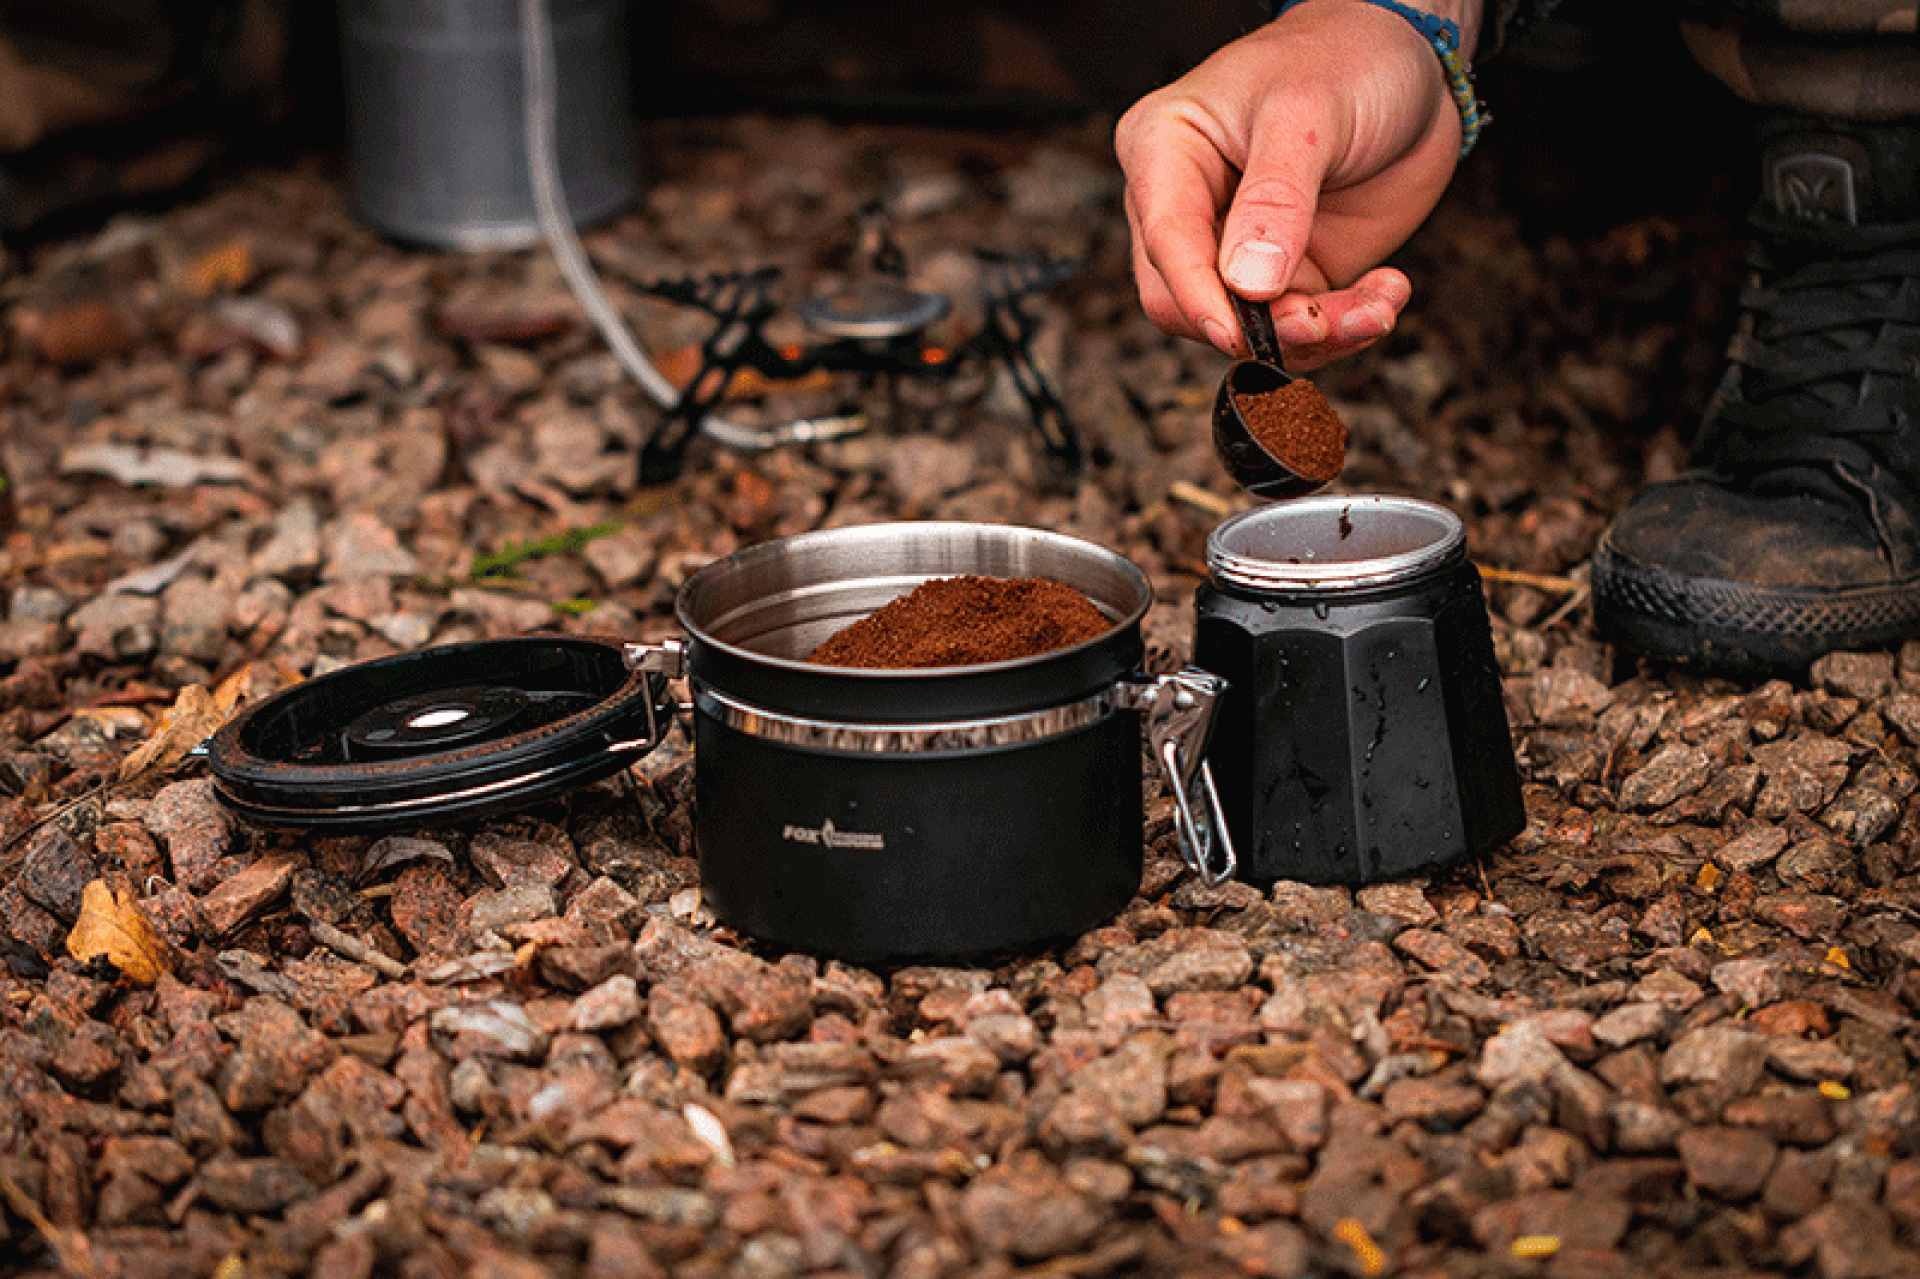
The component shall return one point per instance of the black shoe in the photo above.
(1796, 530)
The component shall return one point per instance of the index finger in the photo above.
(1177, 185)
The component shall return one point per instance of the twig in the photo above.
(1538, 581)
(1195, 496)
(70, 1247)
(1566, 609)
(355, 949)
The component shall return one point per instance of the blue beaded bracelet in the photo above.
(1444, 35)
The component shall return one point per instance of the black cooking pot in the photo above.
(897, 814)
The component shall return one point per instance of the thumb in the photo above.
(1265, 234)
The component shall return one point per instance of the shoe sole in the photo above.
(1739, 626)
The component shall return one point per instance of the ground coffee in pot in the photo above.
(1298, 427)
(966, 621)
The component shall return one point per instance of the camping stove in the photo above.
(874, 327)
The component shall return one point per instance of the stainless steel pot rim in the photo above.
(941, 737)
(1333, 543)
(896, 580)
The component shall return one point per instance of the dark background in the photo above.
(1597, 113)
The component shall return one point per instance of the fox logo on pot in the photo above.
(827, 836)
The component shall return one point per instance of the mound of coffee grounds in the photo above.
(1298, 427)
(966, 621)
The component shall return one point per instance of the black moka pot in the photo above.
(1363, 734)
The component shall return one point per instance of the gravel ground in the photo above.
(1670, 1029)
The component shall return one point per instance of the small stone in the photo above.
(1425, 1101)
(1297, 1107)
(1799, 1118)
(189, 820)
(520, 903)
(117, 627)
(613, 1003)
(1866, 677)
(1489, 934)
(489, 1028)
(1903, 1191)
(425, 908)
(1798, 1183)
(55, 873)
(1754, 982)
(193, 620)
(1640, 1128)
(1792, 1018)
(1629, 1024)
(965, 1067)
(1012, 1037)
(1119, 1004)
(1577, 941)
(686, 1027)
(253, 1185)
(90, 1054)
(359, 545)
(1212, 967)
(1803, 773)
(763, 1002)
(1670, 990)
(1677, 770)
(1847, 1239)
(240, 897)
(276, 1054)
(505, 862)
(1443, 955)
(1023, 1209)
(1808, 916)
(1519, 1053)
(1729, 1163)
(1278, 1249)
(1752, 848)
(1718, 1054)
(293, 550)
(1809, 1060)
(606, 912)
(1405, 903)
(1133, 1080)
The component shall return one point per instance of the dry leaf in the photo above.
(196, 714)
(188, 722)
(112, 924)
(254, 682)
(227, 266)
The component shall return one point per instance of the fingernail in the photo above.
(1219, 335)
(1365, 322)
(1257, 267)
(1295, 329)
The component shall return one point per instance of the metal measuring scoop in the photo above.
(1250, 463)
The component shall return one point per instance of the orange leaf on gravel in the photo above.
(188, 722)
(113, 924)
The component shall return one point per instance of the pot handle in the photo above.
(668, 658)
(1179, 713)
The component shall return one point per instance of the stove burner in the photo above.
(873, 309)
(872, 329)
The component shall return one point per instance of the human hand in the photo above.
(1287, 167)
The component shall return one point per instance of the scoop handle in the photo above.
(1256, 321)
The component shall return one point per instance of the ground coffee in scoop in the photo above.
(966, 621)
(1298, 427)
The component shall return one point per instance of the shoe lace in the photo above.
(1826, 360)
